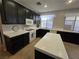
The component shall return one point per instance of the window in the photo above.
(69, 22)
(47, 21)
(72, 23)
(76, 27)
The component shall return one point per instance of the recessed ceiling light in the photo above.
(39, 3)
(70, 1)
(45, 6)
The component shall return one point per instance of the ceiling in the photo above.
(53, 5)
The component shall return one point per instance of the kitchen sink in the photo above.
(29, 29)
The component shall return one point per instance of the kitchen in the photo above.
(21, 26)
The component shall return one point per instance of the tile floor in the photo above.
(28, 51)
(72, 50)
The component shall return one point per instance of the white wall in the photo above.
(59, 20)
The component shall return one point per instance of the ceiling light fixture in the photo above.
(45, 6)
(70, 1)
(39, 3)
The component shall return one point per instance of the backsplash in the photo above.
(9, 27)
(20, 26)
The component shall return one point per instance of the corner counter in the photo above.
(67, 35)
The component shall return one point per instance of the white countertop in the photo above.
(11, 34)
(52, 45)
(65, 30)
(61, 29)
(19, 32)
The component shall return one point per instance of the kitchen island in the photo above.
(50, 47)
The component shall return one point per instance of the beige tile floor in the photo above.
(28, 51)
(72, 50)
(3, 54)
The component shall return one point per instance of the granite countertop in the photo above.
(52, 45)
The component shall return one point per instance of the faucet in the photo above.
(15, 28)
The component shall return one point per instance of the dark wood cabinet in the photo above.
(21, 15)
(15, 13)
(69, 37)
(38, 20)
(40, 55)
(10, 12)
(29, 14)
(41, 32)
(34, 18)
(16, 43)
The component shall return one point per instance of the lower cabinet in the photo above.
(41, 32)
(15, 44)
(69, 37)
(39, 55)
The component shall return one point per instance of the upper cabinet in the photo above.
(38, 20)
(21, 14)
(15, 13)
(10, 12)
(29, 14)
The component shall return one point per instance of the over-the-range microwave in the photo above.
(29, 21)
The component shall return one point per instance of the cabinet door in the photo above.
(30, 14)
(69, 37)
(17, 43)
(40, 55)
(38, 20)
(41, 32)
(10, 12)
(21, 13)
(34, 18)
